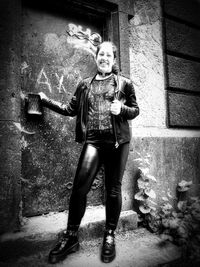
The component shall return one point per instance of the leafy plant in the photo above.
(146, 194)
(179, 224)
(182, 224)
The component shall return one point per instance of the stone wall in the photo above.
(146, 64)
(174, 153)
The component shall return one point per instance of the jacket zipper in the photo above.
(90, 84)
(113, 118)
(115, 134)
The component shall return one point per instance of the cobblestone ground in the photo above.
(137, 248)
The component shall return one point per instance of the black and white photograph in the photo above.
(100, 133)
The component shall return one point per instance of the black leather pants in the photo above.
(91, 158)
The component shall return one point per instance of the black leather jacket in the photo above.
(78, 106)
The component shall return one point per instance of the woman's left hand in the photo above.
(115, 107)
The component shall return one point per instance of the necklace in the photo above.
(103, 74)
(101, 77)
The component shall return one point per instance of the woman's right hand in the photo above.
(42, 95)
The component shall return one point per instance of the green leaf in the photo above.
(152, 208)
(184, 186)
(142, 184)
(196, 215)
(165, 237)
(183, 232)
(152, 202)
(167, 206)
(165, 199)
(144, 209)
(174, 223)
(174, 214)
(169, 194)
(144, 171)
(165, 223)
(194, 198)
(184, 183)
(140, 196)
(150, 193)
(182, 205)
(151, 177)
(140, 219)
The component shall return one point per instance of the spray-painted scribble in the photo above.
(86, 40)
(78, 32)
(77, 39)
(43, 79)
(24, 66)
(60, 81)
(25, 71)
(21, 129)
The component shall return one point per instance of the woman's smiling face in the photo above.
(105, 58)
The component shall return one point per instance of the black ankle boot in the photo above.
(66, 245)
(108, 252)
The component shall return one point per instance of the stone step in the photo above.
(38, 232)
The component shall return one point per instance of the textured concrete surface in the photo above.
(146, 64)
(136, 248)
(182, 38)
(183, 73)
(171, 159)
(41, 232)
(184, 110)
(51, 224)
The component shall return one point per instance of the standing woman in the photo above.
(102, 104)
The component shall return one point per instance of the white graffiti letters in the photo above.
(60, 81)
(43, 79)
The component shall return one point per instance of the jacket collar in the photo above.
(118, 81)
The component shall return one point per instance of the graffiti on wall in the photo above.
(50, 79)
(56, 81)
(79, 38)
(43, 79)
(87, 39)
(78, 32)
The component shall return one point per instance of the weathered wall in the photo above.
(174, 153)
(146, 63)
(10, 155)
